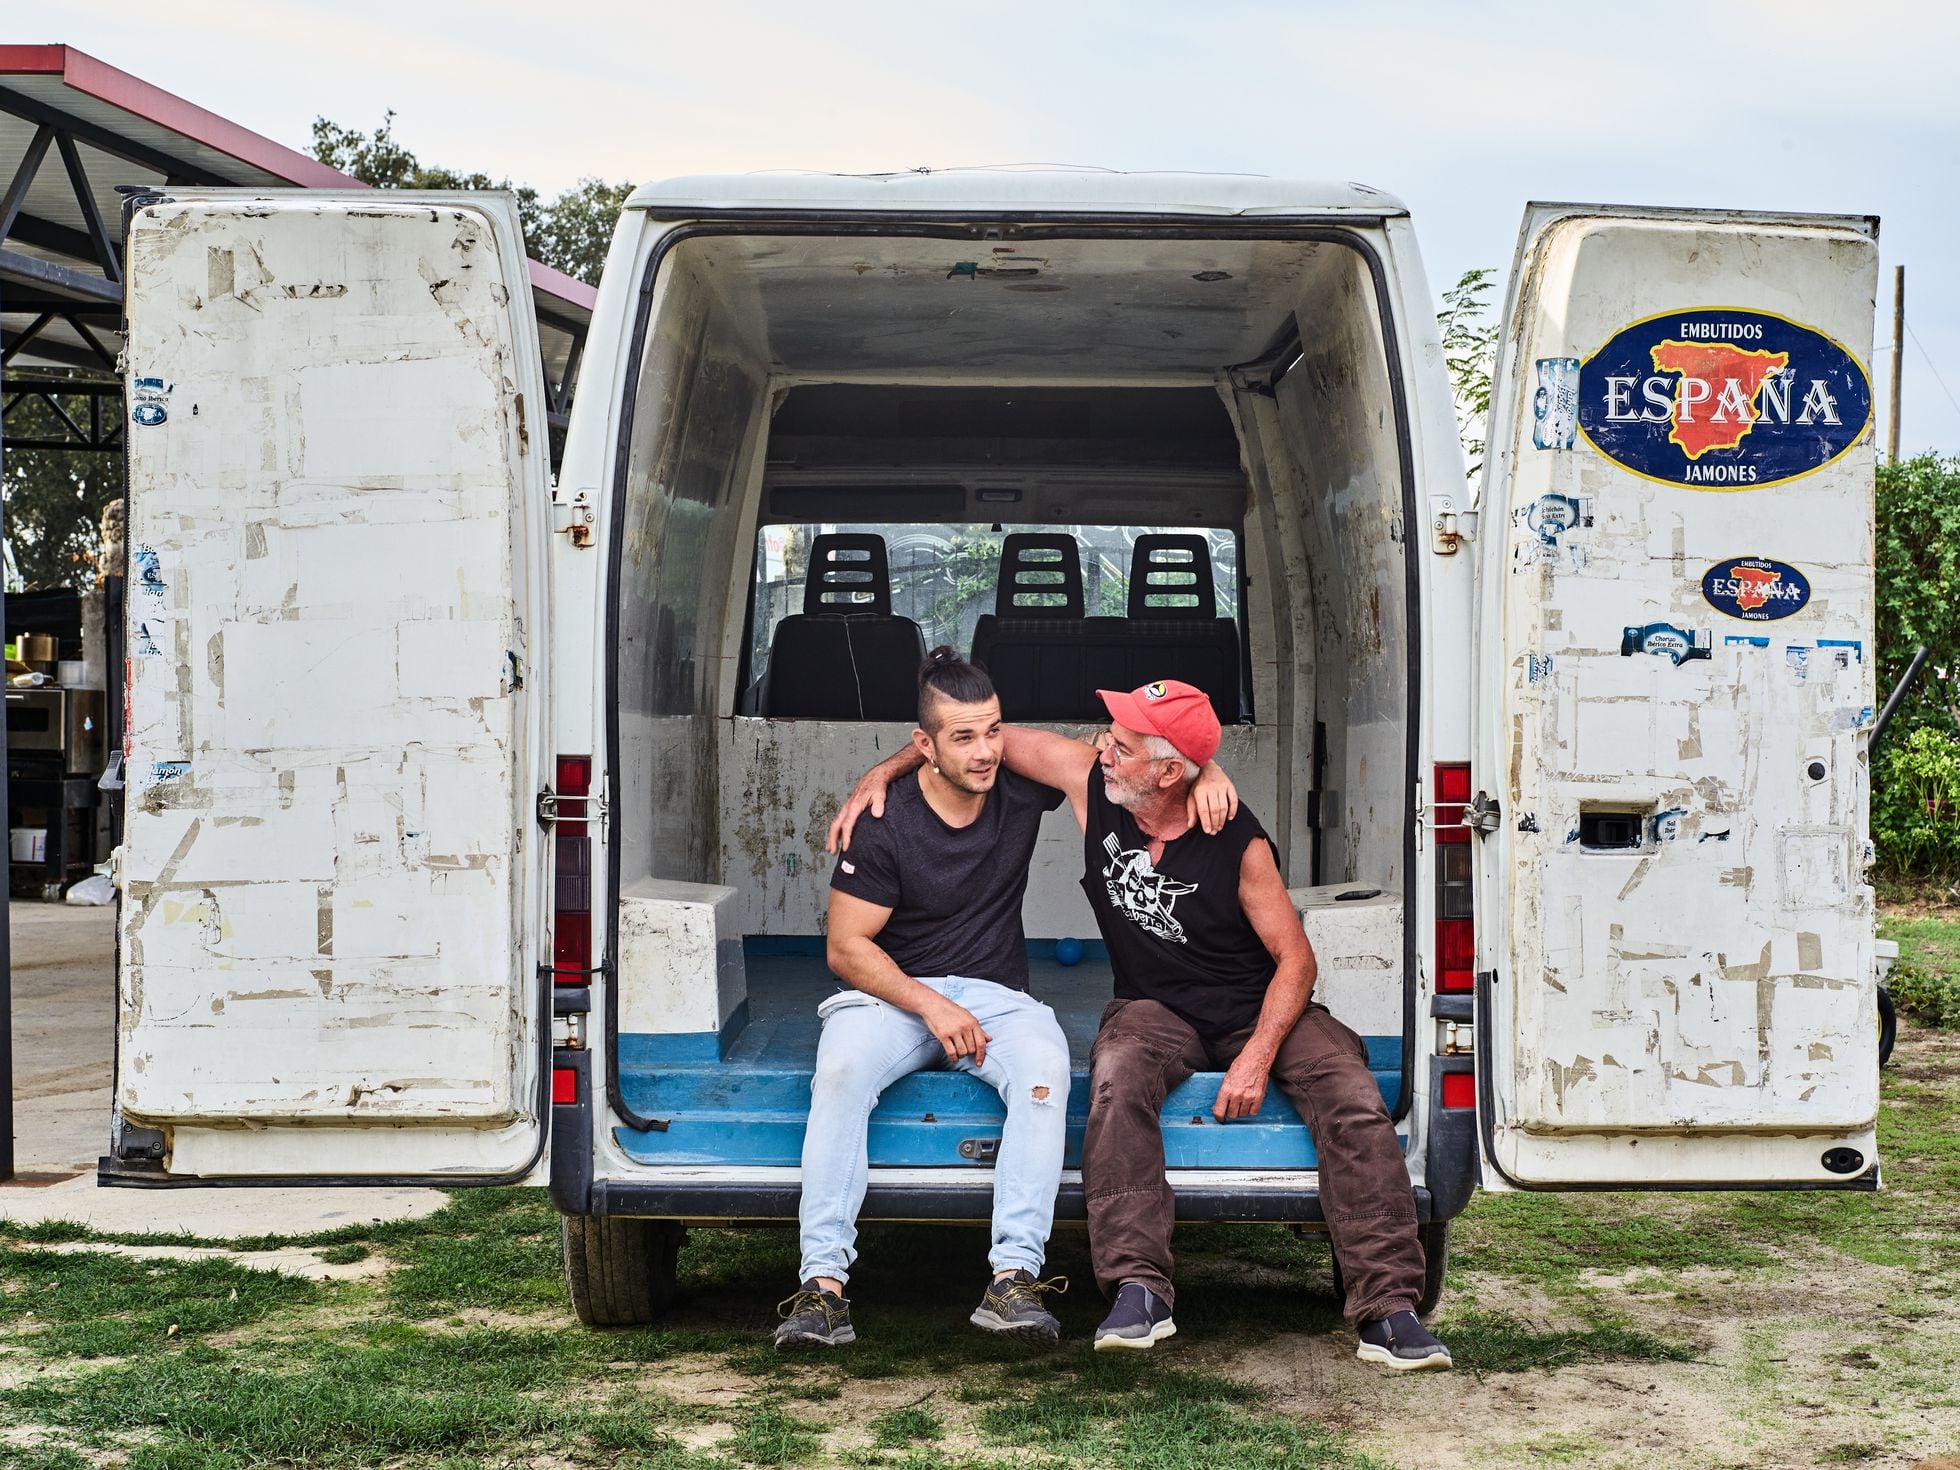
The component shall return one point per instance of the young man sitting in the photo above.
(925, 924)
(1212, 971)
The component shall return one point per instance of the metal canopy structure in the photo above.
(73, 131)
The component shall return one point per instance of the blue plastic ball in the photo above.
(1068, 951)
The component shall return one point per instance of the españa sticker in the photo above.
(1722, 398)
(1755, 589)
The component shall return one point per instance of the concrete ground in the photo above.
(64, 997)
(64, 1025)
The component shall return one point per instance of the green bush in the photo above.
(1929, 996)
(1916, 792)
(1918, 601)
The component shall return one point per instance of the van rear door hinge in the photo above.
(554, 808)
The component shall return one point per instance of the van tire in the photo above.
(1888, 1025)
(1435, 1238)
(620, 1272)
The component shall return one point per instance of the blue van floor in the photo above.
(743, 1101)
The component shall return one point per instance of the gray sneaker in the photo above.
(1012, 1308)
(814, 1317)
(1401, 1343)
(1138, 1319)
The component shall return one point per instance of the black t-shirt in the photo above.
(1176, 931)
(954, 892)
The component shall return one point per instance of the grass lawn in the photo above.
(1719, 1330)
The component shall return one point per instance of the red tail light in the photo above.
(564, 1085)
(1459, 1089)
(1456, 935)
(571, 917)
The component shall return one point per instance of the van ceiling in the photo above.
(1067, 308)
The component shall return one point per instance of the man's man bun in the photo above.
(948, 677)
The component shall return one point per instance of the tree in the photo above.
(1470, 355)
(1915, 775)
(54, 499)
(570, 234)
(575, 230)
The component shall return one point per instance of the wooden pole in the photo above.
(1898, 360)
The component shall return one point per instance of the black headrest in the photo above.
(1170, 577)
(849, 576)
(1034, 567)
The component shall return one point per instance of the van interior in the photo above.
(1085, 462)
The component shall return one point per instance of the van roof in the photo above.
(1012, 189)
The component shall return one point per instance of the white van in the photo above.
(476, 822)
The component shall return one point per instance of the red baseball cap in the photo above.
(1177, 711)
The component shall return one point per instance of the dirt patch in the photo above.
(702, 1384)
(1927, 900)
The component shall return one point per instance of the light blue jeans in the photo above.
(867, 1045)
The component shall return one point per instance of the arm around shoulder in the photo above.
(1054, 760)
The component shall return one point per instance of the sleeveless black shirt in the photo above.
(1176, 931)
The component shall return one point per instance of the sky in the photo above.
(1465, 111)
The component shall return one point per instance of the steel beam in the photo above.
(98, 233)
(21, 300)
(63, 353)
(19, 340)
(32, 230)
(66, 387)
(103, 354)
(27, 270)
(175, 170)
(30, 165)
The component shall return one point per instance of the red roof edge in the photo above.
(118, 88)
(105, 83)
(565, 288)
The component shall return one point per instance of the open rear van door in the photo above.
(1674, 691)
(332, 886)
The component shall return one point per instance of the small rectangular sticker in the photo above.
(1555, 404)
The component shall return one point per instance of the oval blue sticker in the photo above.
(149, 414)
(1755, 588)
(1722, 398)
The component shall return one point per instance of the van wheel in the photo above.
(620, 1272)
(1888, 1025)
(1435, 1238)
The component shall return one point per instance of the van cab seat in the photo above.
(1029, 643)
(1174, 631)
(845, 656)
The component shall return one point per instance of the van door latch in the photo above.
(1483, 814)
(574, 520)
(980, 1150)
(1447, 535)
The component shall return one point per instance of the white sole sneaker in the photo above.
(1045, 1333)
(1434, 1363)
(1111, 1343)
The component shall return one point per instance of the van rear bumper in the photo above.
(759, 1201)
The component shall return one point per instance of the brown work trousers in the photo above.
(1145, 1049)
